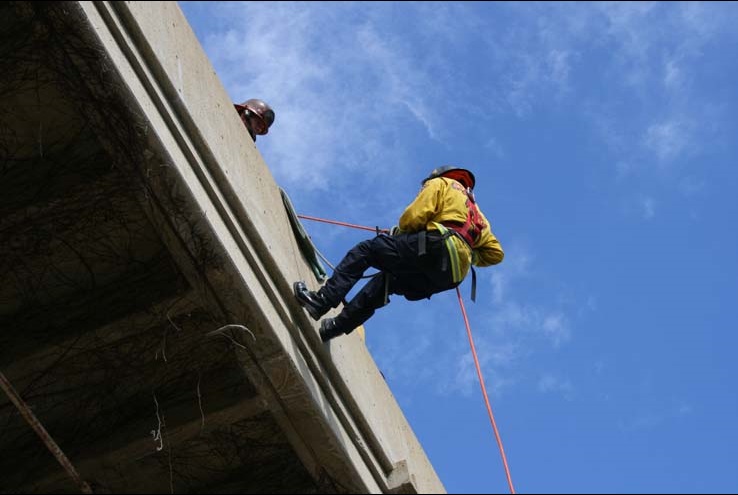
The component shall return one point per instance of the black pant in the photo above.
(409, 273)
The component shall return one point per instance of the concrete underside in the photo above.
(101, 333)
(128, 240)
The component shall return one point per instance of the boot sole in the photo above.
(304, 303)
(327, 334)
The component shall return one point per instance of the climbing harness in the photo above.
(472, 227)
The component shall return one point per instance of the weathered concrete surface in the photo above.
(138, 217)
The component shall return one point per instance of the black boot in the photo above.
(329, 329)
(312, 301)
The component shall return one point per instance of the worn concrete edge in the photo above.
(264, 280)
(253, 285)
(366, 433)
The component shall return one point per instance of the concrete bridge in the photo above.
(146, 261)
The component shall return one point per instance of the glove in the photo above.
(395, 230)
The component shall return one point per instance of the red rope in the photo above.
(484, 392)
(316, 219)
(471, 343)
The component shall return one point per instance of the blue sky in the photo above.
(603, 140)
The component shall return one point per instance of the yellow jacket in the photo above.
(439, 202)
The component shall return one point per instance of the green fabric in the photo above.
(303, 240)
(452, 252)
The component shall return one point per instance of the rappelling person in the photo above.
(256, 115)
(438, 237)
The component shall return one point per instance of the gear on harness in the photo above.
(454, 257)
(472, 227)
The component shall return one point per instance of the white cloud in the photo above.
(337, 74)
(690, 186)
(496, 148)
(404, 82)
(645, 421)
(558, 62)
(669, 139)
(654, 53)
(684, 410)
(530, 321)
(499, 286)
(673, 75)
(515, 267)
(466, 379)
(589, 306)
(549, 383)
(599, 367)
(625, 25)
(556, 328)
(332, 99)
(624, 168)
(648, 207)
(655, 417)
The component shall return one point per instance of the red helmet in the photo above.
(457, 173)
(259, 115)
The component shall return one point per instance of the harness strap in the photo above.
(461, 230)
(386, 288)
(473, 225)
(452, 252)
(474, 284)
(454, 256)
